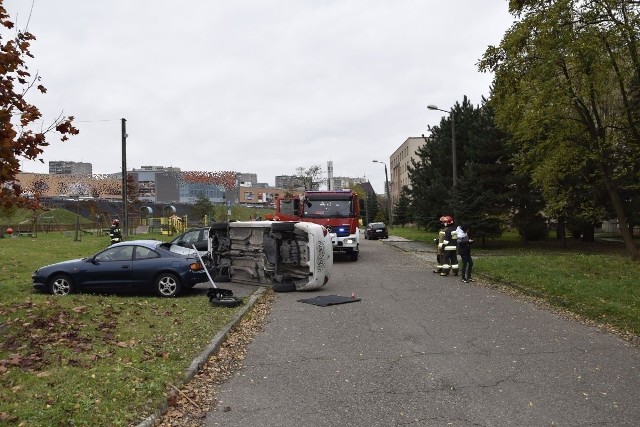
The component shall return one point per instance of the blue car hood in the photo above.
(64, 263)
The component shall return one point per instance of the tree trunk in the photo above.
(632, 248)
(589, 233)
(561, 232)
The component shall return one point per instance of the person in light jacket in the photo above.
(464, 250)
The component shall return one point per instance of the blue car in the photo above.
(138, 264)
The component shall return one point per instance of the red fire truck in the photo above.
(338, 211)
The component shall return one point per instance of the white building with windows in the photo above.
(399, 163)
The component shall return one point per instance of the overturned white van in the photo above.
(288, 256)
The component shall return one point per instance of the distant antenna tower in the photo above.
(330, 175)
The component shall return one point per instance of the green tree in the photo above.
(475, 205)
(566, 88)
(402, 213)
(381, 212)
(479, 145)
(372, 206)
(366, 203)
(201, 208)
(17, 116)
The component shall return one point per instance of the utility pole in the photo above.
(386, 180)
(125, 207)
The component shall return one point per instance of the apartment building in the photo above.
(399, 163)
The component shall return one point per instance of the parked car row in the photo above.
(288, 256)
(285, 255)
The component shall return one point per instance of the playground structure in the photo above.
(168, 224)
(163, 225)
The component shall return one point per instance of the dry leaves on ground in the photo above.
(189, 405)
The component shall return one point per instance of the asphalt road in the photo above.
(425, 350)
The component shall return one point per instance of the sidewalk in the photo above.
(407, 245)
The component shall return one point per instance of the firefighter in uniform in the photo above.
(114, 231)
(440, 247)
(450, 258)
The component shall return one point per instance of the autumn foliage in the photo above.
(224, 178)
(17, 115)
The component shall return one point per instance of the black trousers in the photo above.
(467, 265)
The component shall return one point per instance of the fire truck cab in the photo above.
(337, 211)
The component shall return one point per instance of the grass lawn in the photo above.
(86, 359)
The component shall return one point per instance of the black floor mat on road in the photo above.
(326, 300)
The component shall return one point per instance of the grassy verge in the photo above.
(597, 281)
(90, 359)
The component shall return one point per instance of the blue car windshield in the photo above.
(328, 209)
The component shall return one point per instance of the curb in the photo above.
(200, 360)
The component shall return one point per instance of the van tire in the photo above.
(284, 287)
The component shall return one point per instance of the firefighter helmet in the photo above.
(446, 220)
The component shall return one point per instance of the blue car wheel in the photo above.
(168, 285)
(61, 284)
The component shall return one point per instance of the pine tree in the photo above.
(402, 213)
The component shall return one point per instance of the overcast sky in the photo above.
(255, 86)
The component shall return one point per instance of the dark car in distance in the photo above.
(376, 230)
(133, 265)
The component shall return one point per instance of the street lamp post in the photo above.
(386, 180)
(453, 142)
(125, 206)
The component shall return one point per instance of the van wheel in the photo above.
(284, 287)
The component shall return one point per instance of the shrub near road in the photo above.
(90, 359)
